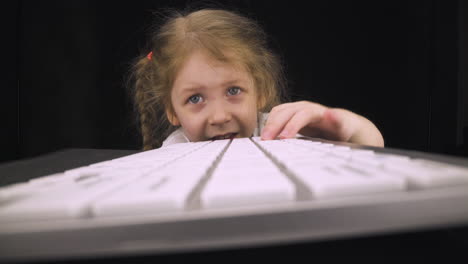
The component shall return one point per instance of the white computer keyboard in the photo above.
(229, 180)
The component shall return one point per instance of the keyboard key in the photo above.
(329, 176)
(250, 183)
(421, 175)
(68, 199)
(326, 182)
(164, 190)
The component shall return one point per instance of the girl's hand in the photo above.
(315, 120)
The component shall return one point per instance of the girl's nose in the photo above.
(219, 115)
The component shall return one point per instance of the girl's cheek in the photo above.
(194, 124)
(191, 133)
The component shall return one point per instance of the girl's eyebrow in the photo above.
(195, 87)
(191, 89)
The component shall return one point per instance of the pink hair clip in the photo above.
(150, 55)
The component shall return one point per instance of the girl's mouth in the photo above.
(225, 136)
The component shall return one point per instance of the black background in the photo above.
(399, 63)
(402, 64)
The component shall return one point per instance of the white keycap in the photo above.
(69, 199)
(71, 194)
(32, 187)
(334, 182)
(421, 175)
(165, 190)
(326, 175)
(246, 190)
(256, 180)
(15, 190)
(159, 193)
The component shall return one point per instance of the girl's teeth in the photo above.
(228, 136)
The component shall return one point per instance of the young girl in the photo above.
(210, 76)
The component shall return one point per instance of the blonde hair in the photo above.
(223, 35)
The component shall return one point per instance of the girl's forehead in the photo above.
(200, 66)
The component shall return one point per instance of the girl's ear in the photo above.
(171, 116)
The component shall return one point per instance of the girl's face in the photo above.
(212, 100)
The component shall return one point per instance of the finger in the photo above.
(303, 118)
(336, 126)
(332, 121)
(276, 121)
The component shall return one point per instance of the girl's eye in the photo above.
(195, 99)
(234, 90)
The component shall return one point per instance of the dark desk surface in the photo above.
(55, 162)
